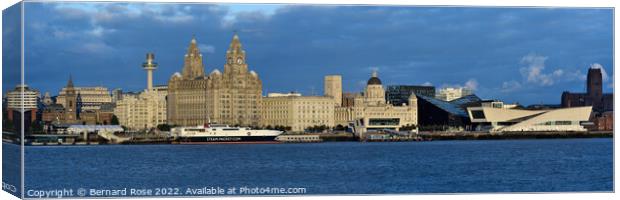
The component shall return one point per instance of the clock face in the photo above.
(239, 61)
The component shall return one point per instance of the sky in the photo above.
(522, 55)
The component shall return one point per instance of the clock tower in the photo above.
(235, 57)
(71, 102)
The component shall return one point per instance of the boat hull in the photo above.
(226, 139)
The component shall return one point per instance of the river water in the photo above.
(472, 166)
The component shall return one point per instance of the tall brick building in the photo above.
(594, 95)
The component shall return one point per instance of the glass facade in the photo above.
(399, 94)
(383, 121)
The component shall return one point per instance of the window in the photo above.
(477, 114)
(563, 123)
(388, 121)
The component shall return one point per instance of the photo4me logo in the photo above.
(9, 187)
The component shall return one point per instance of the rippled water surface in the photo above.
(555, 165)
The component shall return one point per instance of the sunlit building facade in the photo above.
(371, 112)
(297, 112)
(230, 97)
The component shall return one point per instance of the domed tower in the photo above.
(193, 67)
(374, 93)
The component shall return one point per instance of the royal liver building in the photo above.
(232, 97)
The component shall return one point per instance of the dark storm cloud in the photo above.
(293, 47)
(11, 47)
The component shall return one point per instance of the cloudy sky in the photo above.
(525, 55)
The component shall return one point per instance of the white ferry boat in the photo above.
(211, 133)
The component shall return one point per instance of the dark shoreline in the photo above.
(424, 136)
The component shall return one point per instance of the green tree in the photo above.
(408, 127)
(164, 127)
(114, 120)
(339, 127)
(36, 127)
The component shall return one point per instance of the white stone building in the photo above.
(371, 112)
(91, 97)
(296, 111)
(143, 111)
(333, 88)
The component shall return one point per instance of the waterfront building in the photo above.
(399, 94)
(91, 97)
(594, 95)
(371, 112)
(53, 113)
(187, 91)
(439, 115)
(232, 97)
(103, 115)
(333, 88)
(143, 111)
(297, 112)
(519, 120)
(22, 99)
(452, 93)
(147, 109)
(604, 122)
(348, 99)
(68, 109)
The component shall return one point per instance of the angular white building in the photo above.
(518, 120)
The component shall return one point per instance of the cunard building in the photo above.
(232, 97)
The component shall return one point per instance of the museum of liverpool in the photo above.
(494, 119)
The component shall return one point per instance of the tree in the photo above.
(408, 127)
(7, 125)
(36, 127)
(164, 127)
(114, 120)
(317, 128)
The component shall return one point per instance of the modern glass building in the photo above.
(399, 94)
(436, 114)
